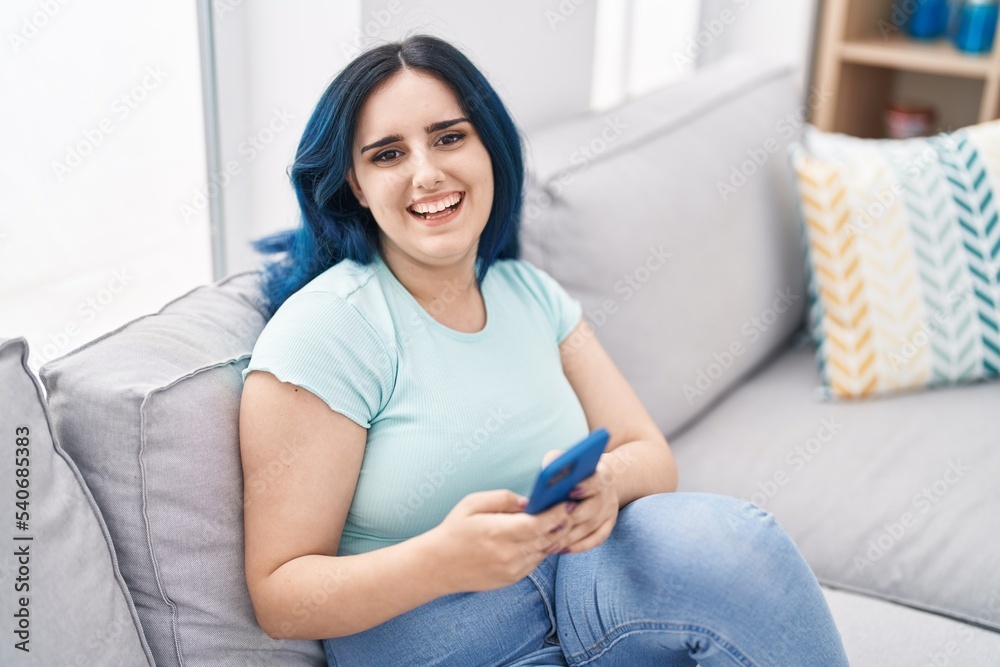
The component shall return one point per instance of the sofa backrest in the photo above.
(672, 219)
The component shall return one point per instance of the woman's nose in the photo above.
(427, 174)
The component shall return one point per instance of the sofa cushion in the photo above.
(904, 249)
(65, 602)
(897, 497)
(672, 219)
(150, 413)
(883, 634)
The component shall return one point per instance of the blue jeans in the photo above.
(683, 578)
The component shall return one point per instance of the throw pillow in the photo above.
(903, 247)
(65, 601)
(150, 414)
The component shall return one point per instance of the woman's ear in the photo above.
(352, 180)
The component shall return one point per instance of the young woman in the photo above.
(414, 377)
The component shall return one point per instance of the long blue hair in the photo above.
(334, 225)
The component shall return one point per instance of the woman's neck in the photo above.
(441, 286)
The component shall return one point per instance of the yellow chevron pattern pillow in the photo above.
(903, 247)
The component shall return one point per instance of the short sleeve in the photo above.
(563, 310)
(322, 343)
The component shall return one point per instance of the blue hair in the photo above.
(334, 224)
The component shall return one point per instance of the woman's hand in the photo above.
(487, 541)
(596, 508)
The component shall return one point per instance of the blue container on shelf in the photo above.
(977, 25)
(929, 19)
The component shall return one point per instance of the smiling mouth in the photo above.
(439, 214)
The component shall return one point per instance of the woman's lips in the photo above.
(440, 217)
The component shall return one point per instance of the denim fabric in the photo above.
(683, 579)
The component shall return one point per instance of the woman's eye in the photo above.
(381, 157)
(391, 154)
(456, 135)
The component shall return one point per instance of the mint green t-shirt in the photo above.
(447, 412)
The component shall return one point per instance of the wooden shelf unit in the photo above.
(860, 52)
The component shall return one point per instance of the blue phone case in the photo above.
(560, 476)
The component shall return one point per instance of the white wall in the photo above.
(101, 110)
(273, 61)
(639, 47)
(538, 54)
(781, 28)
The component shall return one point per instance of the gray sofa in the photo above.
(133, 503)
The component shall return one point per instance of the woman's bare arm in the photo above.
(301, 462)
(640, 458)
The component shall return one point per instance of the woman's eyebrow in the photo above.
(433, 127)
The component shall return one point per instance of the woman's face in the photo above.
(408, 147)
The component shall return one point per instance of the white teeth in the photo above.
(434, 207)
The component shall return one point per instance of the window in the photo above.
(103, 167)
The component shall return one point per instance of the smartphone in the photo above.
(559, 477)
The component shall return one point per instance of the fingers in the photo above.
(592, 522)
(590, 486)
(592, 540)
(551, 455)
(585, 520)
(546, 535)
(555, 519)
(545, 520)
(568, 521)
(539, 532)
(496, 500)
